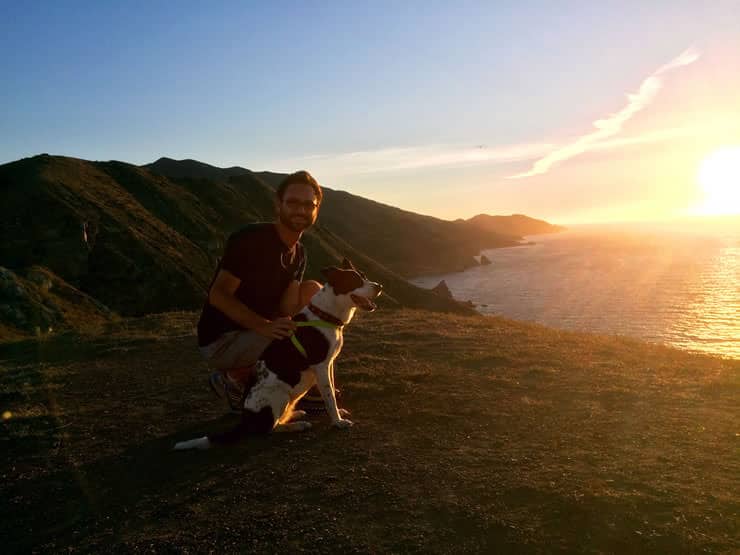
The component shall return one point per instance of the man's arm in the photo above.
(222, 296)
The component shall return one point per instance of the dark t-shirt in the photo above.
(265, 265)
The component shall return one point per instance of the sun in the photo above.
(719, 178)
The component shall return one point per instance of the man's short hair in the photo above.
(300, 178)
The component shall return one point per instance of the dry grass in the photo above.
(472, 434)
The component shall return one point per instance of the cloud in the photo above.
(648, 137)
(412, 158)
(611, 125)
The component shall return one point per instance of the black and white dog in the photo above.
(290, 367)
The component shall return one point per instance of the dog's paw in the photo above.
(343, 423)
(344, 412)
(296, 414)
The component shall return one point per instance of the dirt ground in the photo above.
(471, 434)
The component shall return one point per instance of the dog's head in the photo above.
(350, 282)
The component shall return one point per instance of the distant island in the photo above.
(516, 224)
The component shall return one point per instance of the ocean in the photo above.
(678, 286)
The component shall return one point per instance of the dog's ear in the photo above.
(347, 265)
(342, 281)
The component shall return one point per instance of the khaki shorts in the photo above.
(235, 349)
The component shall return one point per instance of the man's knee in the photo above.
(308, 289)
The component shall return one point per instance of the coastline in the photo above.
(608, 280)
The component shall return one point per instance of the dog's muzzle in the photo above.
(366, 303)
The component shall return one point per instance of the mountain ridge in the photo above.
(142, 242)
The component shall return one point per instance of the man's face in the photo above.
(298, 209)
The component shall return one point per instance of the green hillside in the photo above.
(139, 242)
(146, 239)
(95, 225)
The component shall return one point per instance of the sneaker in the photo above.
(225, 388)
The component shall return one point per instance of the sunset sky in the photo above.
(568, 111)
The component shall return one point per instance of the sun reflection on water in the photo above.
(717, 308)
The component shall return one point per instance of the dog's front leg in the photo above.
(342, 412)
(323, 381)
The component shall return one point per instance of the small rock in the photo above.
(442, 290)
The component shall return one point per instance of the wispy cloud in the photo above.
(647, 137)
(414, 158)
(612, 125)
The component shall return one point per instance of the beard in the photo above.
(296, 223)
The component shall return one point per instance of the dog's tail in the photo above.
(228, 437)
(197, 443)
(252, 423)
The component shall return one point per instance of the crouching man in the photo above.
(258, 285)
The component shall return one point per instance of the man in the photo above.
(257, 288)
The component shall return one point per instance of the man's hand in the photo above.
(279, 328)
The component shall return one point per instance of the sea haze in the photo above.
(679, 286)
